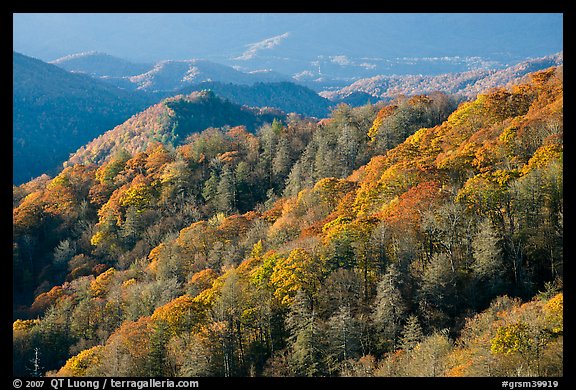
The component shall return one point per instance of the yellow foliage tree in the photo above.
(100, 286)
(511, 338)
(77, 365)
(331, 190)
(24, 325)
(180, 314)
(384, 113)
(554, 313)
(300, 270)
(140, 194)
(543, 157)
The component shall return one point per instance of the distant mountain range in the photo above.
(100, 65)
(466, 84)
(312, 47)
(58, 109)
(164, 76)
(55, 112)
(168, 77)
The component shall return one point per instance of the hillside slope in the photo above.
(55, 112)
(100, 65)
(285, 96)
(162, 77)
(467, 84)
(170, 122)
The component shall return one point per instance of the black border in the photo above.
(487, 6)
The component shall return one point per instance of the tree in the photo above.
(227, 311)
(132, 227)
(189, 356)
(176, 179)
(299, 271)
(343, 337)
(306, 338)
(390, 309)
(341, 288)
(411, 333)
(211, 187)
(63, 252)
(488, 265)
(126, 352)
(439, 289)
(157, 362)
(511, 338)
(247, 192)
(140, 194)
(52, 336)
(348, 145)
(429, 357)
(225, 200)
(36, 368)
(281, 163)
(179, 315)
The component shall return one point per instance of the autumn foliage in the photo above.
(401, 239)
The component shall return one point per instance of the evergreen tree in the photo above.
(306, 339)
(281, 163)
(411, 333)
(390, 310)
(211, 187)
(132, 226)
(225, 200)
(157, 357)
(488, 263)
(343, 337)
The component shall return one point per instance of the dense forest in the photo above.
(416, 237)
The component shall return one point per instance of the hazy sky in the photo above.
(152, 37)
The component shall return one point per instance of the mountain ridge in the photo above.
(467, 84)
(100, 65)
(55, 112)
(171, 121)
(162, 76)
(284, 95)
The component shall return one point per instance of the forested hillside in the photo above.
(467, 84)
(411, 238)
(55, 112)
(170, 122)
(285, 96)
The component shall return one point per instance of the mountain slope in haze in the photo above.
(285, 96)
(170, 122)
(255, 89)
(467, 84)
(173, 75)
(55, 112)
(164, 76)
(100, 65)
